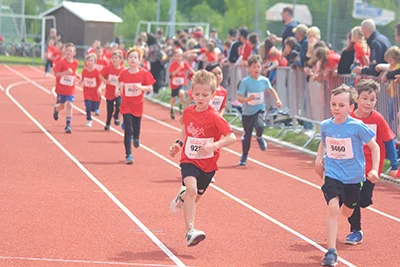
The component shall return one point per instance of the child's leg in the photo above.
(97, 110)
(110, 110)
(136, 130)
(172, 102)
(189, 201)
(248, 125)
(128, 121)
(117, 106)
(88, 105)
(260, 125)
(181, 95)
(332, 221)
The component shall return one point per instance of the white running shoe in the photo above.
(177, 204)
(89, 124)
(194, 236)
(213, 180)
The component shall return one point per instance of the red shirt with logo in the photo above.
(65, 85)
(179, 79)
(91, 84)
(111, 74)
(202, 127)
(379, 126)
(132, 98)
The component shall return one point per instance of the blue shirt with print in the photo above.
(251, 86)
(344, 143)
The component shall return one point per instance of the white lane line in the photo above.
(1, 88)
(85, 261)
(27, 79)
(172, 256)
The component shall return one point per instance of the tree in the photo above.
(204, 13)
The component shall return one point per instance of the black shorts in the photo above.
(349, 194)
(203, 178)
(175, 92)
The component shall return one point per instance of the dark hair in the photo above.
(212, 66)
(244, 32)
(254, 59)
(291, 41)
(368, 85)
(346, 89)
(253, 38)
(268, 44)
(232, 32)
(288, 10)
(151, 39)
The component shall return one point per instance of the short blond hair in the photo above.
(91, 55)
(393, 53)
(203, 77)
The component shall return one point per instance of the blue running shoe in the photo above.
(261, 143)
(97, 112)
(354, 238)
(243, 159)
(330, 258)
(123, 126)
(136, 143)
(129, 160)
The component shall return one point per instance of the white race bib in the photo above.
(113, 79)
(98, 67)
(339, 148)
(131, 91)
(67, 80)
(373, 127)
(258, 98)
(216, 102)
(90, 82)
(193, 146)
(178, 81)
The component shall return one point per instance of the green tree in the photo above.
(204, 13)
(130, 20)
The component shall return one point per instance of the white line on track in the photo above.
(287, 228)
(172, 256)
(84, 261)
(1, 88)
(27, 79)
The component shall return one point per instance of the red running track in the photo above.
(54, 211)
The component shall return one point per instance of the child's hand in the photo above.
(99, 92)
(70, 71)
(137, 87)
(379, 67)
(207, 149)
(278, 103)
(373, 176)
(174, 149)
(250, 98)
(319, 167)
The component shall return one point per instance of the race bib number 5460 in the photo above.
(339, 148)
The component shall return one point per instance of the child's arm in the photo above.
(242, 99)
(226, 140)
(319, 167)
(145, 88)
(373, 176)
(391, 154)
(275, 94)
(176, 147)
(104, 79)
(66, 72)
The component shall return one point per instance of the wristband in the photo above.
(179, 142)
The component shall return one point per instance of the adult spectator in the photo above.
(378, 45)
(300, 32)
(290, 24)
(347, 57)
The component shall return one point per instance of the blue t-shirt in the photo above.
(344, 143)
(249, 86)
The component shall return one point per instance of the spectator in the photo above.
(301, 35)
(290, 24)
(291, 51)
(347, 57)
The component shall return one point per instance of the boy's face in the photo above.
(115, 60)
(133, 59)
(178, 57)
(366, 102)
(340, 106)
(202, 95)
(218, 74)
(70, 52)
(90, 62)
(255, 69)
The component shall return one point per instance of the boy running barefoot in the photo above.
(343, 138)
(65, 73)
(367, 90)
(251, 94)
(200, 140)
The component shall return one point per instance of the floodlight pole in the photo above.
(172, 18)
(1, 11)
(328, 37)
(256, 17)
(158, 13)
(23, 20)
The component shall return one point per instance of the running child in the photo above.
(65, 73)
(51, 55)
(178, 69)
(343, 138)
(91, 87)
(367, 90)
(200, 141)
(132, 83)
(109, 76)
(251, 95)
(218, 102)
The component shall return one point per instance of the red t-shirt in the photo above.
(333, 59)
(52, 52)
(275, 55)
(65, 85)
(132, 99)
(211, 56)
(179, 79)
(246, 50)
(379, 126)
(111, 74)
(91, 83)
(100, 64)
(200, 128)
(219, 100)
(360, 53)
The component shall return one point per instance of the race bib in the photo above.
(373, 127)
(90, 82)
(113, 79)
(178, 81)
(258, 98)
(339, 148)
(216, 102)
(98, 67)
(130, 90)
(67, 80)
(193, 146)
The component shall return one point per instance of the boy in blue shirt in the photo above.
(251, 95)
(343, 138)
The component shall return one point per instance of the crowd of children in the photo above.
(350, 156)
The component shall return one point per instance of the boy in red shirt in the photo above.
(51, 55)
(133, 82)
(367, 92)
(109, 76)
(91, 87)
(178, 69)
(200, 140)
(65, 73)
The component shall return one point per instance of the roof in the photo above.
(86, 12)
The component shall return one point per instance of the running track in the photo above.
(69, 200)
